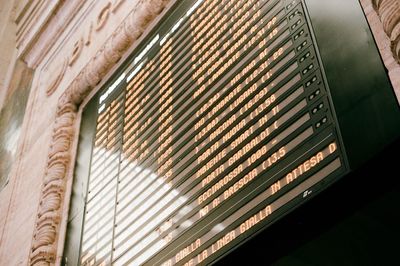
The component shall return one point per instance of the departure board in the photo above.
(220, 123)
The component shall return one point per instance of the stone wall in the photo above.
(72, 47)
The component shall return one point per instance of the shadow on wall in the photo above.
(11, 118)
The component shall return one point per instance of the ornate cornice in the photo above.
(389, 14)
(47, 225)
(41, 24)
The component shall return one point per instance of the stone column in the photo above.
(389, 14)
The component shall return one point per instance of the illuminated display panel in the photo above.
(220, 124)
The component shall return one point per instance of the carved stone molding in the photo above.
(389, 13)
(47, 225)
(40, 24)
(57, 78)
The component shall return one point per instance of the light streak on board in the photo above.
(280, 106)
(159, 211)
(262, 121)
(279, 92)
(184, 108)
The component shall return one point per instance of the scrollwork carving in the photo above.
(57, 78)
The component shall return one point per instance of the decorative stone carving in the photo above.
(57, 78)
(389, 13)
(47, 226)
(103, 16)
